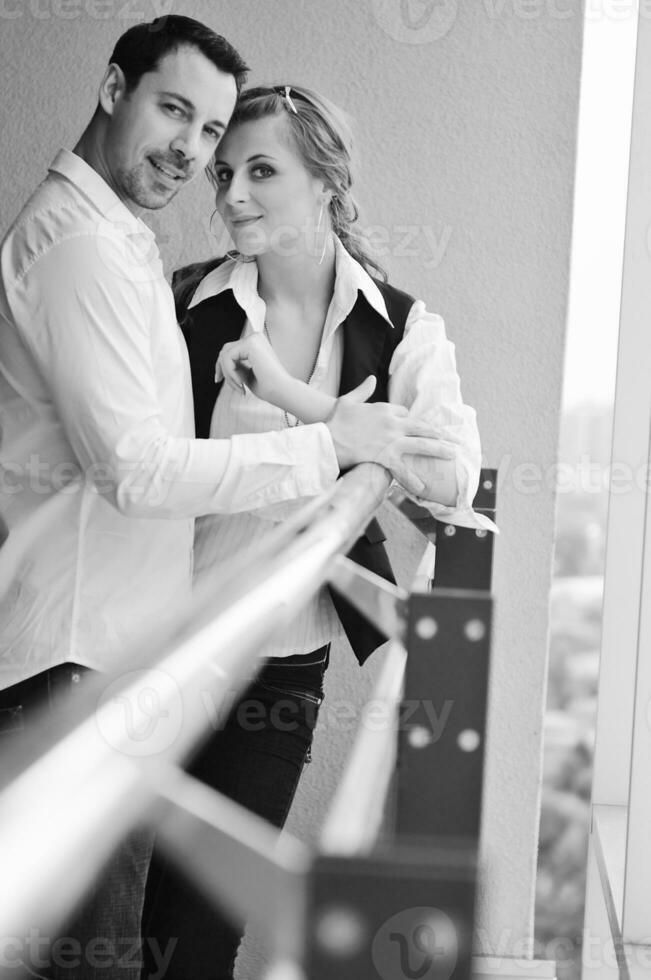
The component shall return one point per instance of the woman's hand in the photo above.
(252, 363)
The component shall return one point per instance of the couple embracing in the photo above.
(295, 359)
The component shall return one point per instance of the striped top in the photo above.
(423, 377)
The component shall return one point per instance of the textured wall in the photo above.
(466, 128)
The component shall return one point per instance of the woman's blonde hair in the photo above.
(323, 138)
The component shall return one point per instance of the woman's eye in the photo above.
(262, 171)
(223, 176)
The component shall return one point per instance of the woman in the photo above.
(300, 315)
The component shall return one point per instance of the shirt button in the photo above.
(76, 677)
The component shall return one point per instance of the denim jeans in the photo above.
(102, 940)
(256, 759)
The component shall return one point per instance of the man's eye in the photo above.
(175, 109)
(214, 134)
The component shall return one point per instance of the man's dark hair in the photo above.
(141, 48)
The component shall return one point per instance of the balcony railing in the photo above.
(392, 882)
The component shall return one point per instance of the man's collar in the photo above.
(88, 181)
(242, 277)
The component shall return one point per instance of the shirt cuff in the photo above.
(462, 514)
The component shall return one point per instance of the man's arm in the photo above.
(86, 319)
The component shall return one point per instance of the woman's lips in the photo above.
(239, 222)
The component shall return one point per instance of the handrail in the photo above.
(102, 776)
(355, 812)
(117, 775)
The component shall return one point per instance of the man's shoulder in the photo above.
(54, 214)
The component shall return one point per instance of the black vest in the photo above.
(369, 343)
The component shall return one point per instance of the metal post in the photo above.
(464, 556)
(441, 729)
(399, 914)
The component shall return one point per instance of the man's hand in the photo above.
(385, 434)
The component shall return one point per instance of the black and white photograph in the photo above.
(325, 457)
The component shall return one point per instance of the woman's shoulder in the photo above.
(397, 301)
(197, 271)
(186, 280)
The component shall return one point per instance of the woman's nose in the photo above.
(238, 189)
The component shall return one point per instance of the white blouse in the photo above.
(422, 376)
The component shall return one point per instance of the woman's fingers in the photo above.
(392, 455)
(425, 446)
(234, 365)
(408, 479)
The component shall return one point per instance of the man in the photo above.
(102, 475)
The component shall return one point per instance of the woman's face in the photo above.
(266, 196)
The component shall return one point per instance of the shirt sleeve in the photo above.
(85, 315)
(423, 377)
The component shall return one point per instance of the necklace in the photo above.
(293, 425)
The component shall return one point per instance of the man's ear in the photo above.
(112, 88)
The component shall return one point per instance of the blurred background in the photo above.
(584, 482)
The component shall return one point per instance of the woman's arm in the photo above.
(423, 377)
(389, 434)
(252, 363)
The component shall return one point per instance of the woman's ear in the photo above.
(323, 194)
(112, 88)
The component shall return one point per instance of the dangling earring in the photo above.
(325, 238)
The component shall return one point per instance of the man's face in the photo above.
(164, 132)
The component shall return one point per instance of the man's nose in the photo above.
(187, 143)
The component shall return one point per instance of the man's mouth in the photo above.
(167, 171)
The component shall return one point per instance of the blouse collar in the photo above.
(242, 278)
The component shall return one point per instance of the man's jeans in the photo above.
(256, 760)
(102, 941)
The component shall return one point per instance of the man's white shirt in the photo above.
(101, 475)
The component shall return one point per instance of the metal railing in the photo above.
(397, 856)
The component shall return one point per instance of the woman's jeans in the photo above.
(256, 760)
(102, 941)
